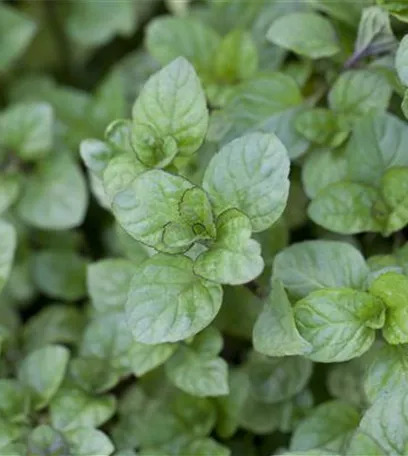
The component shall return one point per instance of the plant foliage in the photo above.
(203, 228)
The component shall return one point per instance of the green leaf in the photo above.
(173, 104)
(55, 196)
(339, 323)
(95, 154)
(86, 26)
(321, 168)
(394, 189)
(60, 274)
(119, 173)
(348, 11)
(275, 332)
(14, 401)
(153, 150)
(231, 406)
(108, 283)
(299, 269)
(315, 37)
(345, 380)
(88, 442)
(93, 374)
(386, 422)
(361, 443)
(387, 372)
(328, 427)
(198, 373)
(320, 126)
(170, 37)
(234, 258)
(375, 35)
(148, 204)
(378, 143)
(167, 302)
(16, 32)
(42, 372)
(236, 58)
(27, 129)
(73, 408)
(251, 174)
(273, 380)
(196, 210)
(10, 186)
(283, 125)
(58, 323)
(255, 101)
(391, 288)
(107, 337)
(44, 440)
(357, 93)
(143, 358)
(347, 208)
(8, 245)
(397, 8)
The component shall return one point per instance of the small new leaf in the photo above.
(234, 258)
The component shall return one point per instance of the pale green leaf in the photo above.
(401, 60)
(14, 401)
(10, 186)
(357, 93)
(236, 58)
(55, 196)
(143, 358)
(299, 267)
(321, 168)
(360, 443)
(8, 245)
(273, 380)
(198, 374)
(16, 32)
(60, 274)
(378, 143)
(58, 323)
(108, 283)
(88, 442)
(392, 289)
(255, 101)
(234, 258)
(328, 427)
(27, 129)
(149, 203)
(72, 407)
(339, 323)
(320, 126)
(170, 37)
(42, 372)
(394, 189)
(172, 102)
(250, 174)
(167, 302)
(45, 440)
(275, 332)
(86, 21)
(307, 34)
(95, 154)
(386, 422)
(120, 173)
(374, 33)
(347, 208)
(387, 372)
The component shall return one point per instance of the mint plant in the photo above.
(203, 213)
